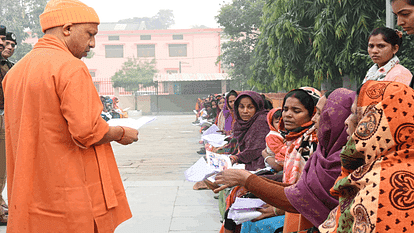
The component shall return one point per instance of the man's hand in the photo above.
(130, 136)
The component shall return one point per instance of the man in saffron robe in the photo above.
(61, 171)
(3, 71)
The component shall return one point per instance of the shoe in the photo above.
(200, 185)
(202, 151)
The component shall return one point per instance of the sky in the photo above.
(186, 12)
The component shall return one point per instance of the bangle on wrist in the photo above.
(276, 211)
(123, 134)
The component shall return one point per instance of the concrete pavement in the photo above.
(153, 174)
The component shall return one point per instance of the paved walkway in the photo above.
(152, 170)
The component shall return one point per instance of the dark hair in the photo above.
(267, 102)
(410, 2)
(389, 35)
(328, 93)
(231, 93)
(277, 114)
(304, 99)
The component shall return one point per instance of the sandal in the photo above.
(200, 185)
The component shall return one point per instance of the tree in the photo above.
(309, 42)
(162, 20)
(199, 26)
(135, 74)
(19, 17)
(240, 21)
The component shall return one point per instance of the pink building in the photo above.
(185, 58)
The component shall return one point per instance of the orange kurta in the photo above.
(58, 180)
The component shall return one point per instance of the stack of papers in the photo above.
(245, 209)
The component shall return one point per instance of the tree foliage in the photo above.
(240, 21)
(306, 42)
(135, 74)
(20, 16)
(162, 20)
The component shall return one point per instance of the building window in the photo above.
(177, 88)
(96, 84)
(172, 71)
(165, 87)
(113, 37)
(177, 50)
(146, 50)
(114, 51)
(145, 37)
(178, 37)
(92, 73)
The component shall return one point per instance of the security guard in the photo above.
(9, 47)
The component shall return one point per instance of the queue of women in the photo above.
(346, 157)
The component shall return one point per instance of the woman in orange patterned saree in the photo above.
(376, 185)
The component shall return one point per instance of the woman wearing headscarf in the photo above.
(250, 130)
(228, 112)
(296, 127)
(220, 120)
(310, 195)
(376, 183)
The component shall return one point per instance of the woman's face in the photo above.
(232, 98)
(294, 113)
(213, 104)
(319, 106)
(405, 15)
(352, 121)
(246, 108)
(380, 51)
(221, 103)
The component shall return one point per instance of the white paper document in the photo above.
(206, 169)
(199, 171)
(245, 209)
(212, 130)
(132, 123)
(216, 140)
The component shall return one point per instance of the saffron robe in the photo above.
(58, 180)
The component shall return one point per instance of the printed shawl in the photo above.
(300, 142)
(251, 134)
(392, 71)
(310, 195)
(376, 184)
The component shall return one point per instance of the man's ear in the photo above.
(67, 29)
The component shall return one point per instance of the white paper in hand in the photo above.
(198, 171)
(129, 122)
(244, 209)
